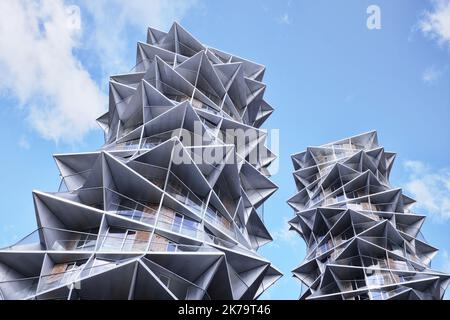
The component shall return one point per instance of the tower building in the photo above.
(363, 239)
(171, 206)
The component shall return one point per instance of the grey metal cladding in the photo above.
(363, 241)
(130, 223)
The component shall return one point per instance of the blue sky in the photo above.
(328, 77)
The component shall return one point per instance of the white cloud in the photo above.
(430, 188)
(433, 74)
(283, 234)
(38, 66)
(112, 21)
(446, 261)
(436, 23)
(284, 19)
(39, 41)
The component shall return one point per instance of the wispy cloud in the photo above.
(38, 66)
(113, 22)
(40, 62)
(436, 22)
(433, 74)
(24, 143)
(431, 189)
(350, 97)
(283, 236)
(446, 261)
(284, 19)
(8, 235)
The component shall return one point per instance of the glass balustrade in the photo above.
(75, 180)
(18, 289)
(29, 242)
(128, 145)
(119, 239)
(217, 219)
(171, 92)
(61, 274)
(324, 247)
(153, 141)
(129, 208)
(182, 288)
(368, 204)
(86, 242)
(123, 131)
(209, 238)
(226, 200)
(371, 287)
(92, 197)
(64, 274)
(385, 294)
(176, 222)
(166, 245)
(325, 197)
(325, 289)
(395, 248)
(183, 194)
(363, 191)
(141, 65)
(201, 105)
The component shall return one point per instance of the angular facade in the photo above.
(363, 241)
(146, 217)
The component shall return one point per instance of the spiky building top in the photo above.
(131, 223)
(363, 241)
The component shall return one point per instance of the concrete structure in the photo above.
(130, 221)
(363, 241)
